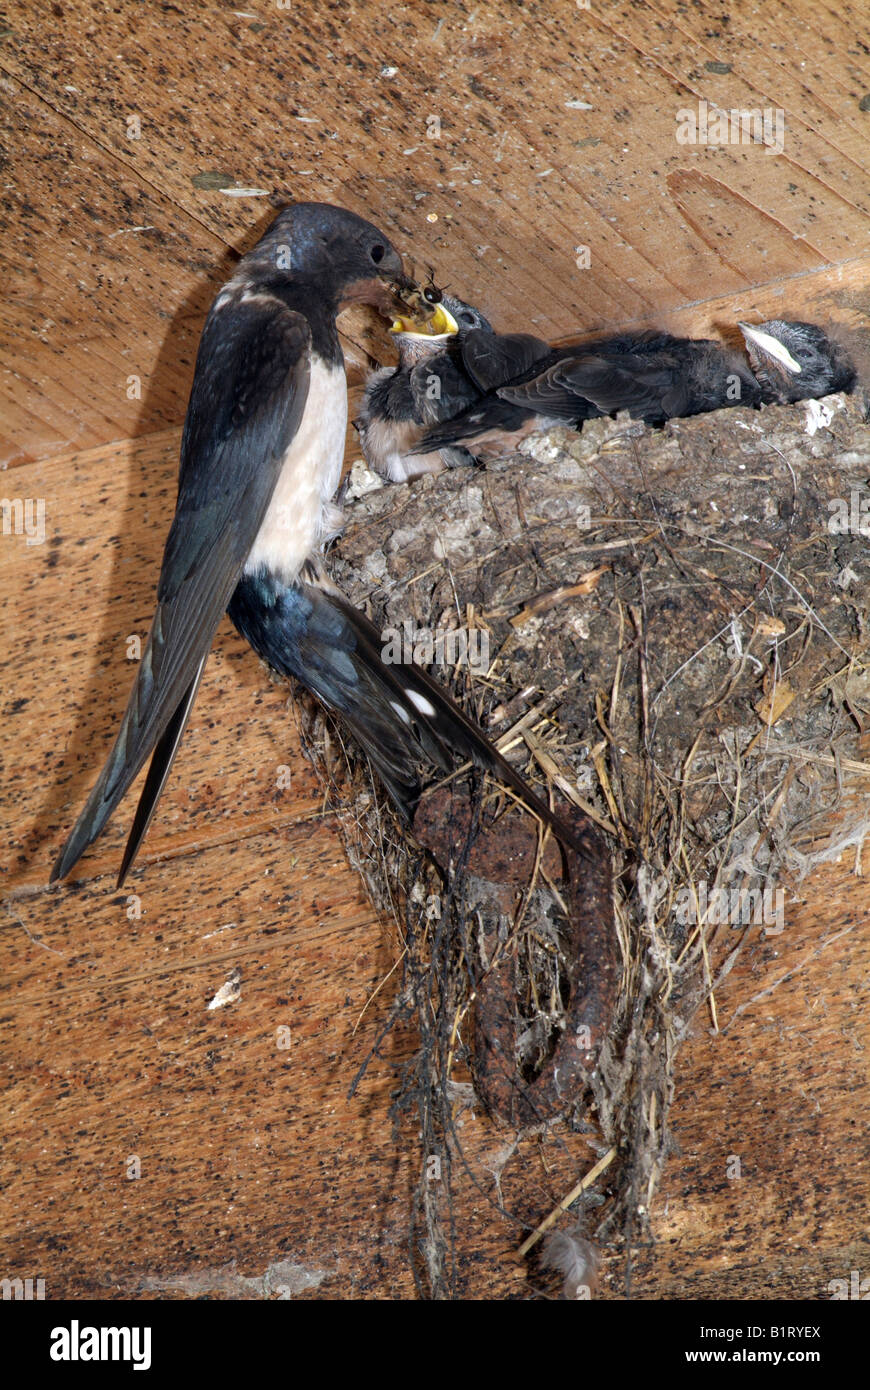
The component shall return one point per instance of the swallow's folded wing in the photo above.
(249, 391)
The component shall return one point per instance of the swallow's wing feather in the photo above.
(492, 359)
(631, 382)
(399, 715)
(440, 388)
(249, 391)
(648, 388)
(158, 770)
(490, 418)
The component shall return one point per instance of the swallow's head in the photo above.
(429, 329)
(465, 315)
(346, 255)
(796, 361)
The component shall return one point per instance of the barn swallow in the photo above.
(653, 375)
(428, 385)
(261, 457)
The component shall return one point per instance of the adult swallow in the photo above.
(428, 385)
(261, 458)
(653, 375)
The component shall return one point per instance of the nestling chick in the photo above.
(428, 386)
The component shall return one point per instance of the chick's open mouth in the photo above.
(438, 322)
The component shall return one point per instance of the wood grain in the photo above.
(518, 177)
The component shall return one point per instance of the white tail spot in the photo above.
(421, 703)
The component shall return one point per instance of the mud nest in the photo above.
(673, 626)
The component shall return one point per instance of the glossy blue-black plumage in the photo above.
(398, 714)
(249, 392)
(653, 375)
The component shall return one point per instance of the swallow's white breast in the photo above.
(300, 515)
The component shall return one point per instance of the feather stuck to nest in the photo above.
(703, 698)
(574, 1257)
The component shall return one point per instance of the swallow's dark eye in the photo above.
(377, 253)
(466, 318)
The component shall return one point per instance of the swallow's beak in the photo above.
(439, 324)
(769, 350)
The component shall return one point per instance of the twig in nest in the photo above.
(585, 1182)
(545, 602)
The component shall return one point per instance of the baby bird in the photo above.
(653, 375)
(429, 385)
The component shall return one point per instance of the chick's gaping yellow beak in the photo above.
(441, 323)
